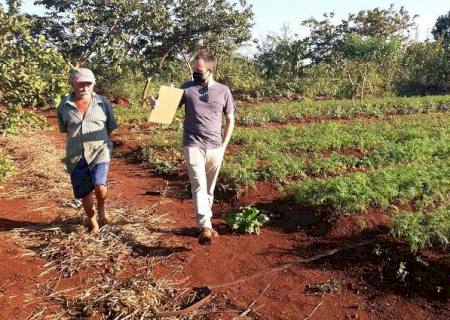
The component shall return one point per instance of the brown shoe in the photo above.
(207, 235)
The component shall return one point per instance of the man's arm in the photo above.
(62, 125)
(229, 110)
(111, 123)
(228, 130)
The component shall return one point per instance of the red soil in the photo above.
(364, 283)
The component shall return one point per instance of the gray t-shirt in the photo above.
(204, 107)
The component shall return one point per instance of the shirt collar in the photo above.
(95, 98)
(211, 81)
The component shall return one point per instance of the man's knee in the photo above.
(101, 191)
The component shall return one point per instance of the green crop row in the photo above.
(424, 183)
(340, 109)
(252, 114)
(331, 135)
(266, 155)
(423, 229)
(242, 169)
(297, 152)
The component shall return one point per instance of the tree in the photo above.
(31, 72)
(241, 74)
(365, 47)
(442, 27)
(149, 32)
(326, 37)
(425, 69)
(384, 23)
(281, 56)
(218, 26)
(369, 61)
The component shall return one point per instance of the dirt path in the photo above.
(19, 275)
(339, 287)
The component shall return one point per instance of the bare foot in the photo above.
(207, 235)
(93, 225)
(103, 219)
(214, 233)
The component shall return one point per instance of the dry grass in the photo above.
(39, 169)
(69, 248)
(138, 297)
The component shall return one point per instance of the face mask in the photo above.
(200, 77)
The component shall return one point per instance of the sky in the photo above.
(272, 15)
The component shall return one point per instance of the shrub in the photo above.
(13, 122)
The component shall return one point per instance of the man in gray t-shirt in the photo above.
(205, 102)
(204, 106)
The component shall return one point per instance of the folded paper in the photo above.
(168, 101)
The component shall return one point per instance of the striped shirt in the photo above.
(87, 135)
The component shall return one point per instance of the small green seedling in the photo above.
(248, 220)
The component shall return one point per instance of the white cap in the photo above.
(82, 75)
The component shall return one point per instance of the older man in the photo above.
(205, 102)
(88, 120)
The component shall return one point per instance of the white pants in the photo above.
(203, 167)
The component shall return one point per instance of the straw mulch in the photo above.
(137, 297)
(39, 169)
(70, 248)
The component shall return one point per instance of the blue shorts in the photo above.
(83, 180)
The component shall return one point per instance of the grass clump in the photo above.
(165, 162)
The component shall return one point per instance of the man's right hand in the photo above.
(154, 102)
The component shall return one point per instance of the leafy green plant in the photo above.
(6, 166)
(248, 220)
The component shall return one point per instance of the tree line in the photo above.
(135, 45)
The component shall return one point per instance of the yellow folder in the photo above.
(168, 101)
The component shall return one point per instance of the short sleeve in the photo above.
(184, 86)
(229, 106)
